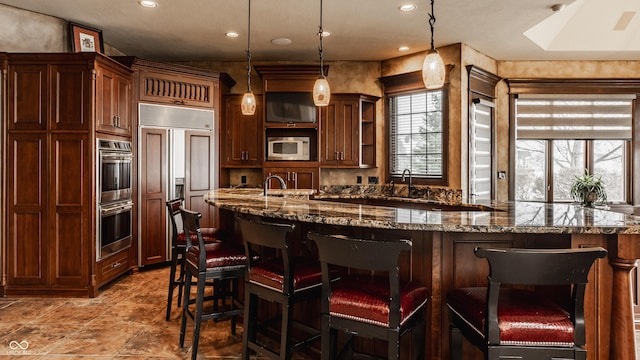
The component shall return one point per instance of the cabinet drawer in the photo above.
(112, 267)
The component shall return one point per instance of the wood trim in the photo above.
(573, 86)
(482, 82)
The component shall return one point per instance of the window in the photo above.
(559, 136)
(416, 134)
(417, 123)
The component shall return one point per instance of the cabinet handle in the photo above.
(295, 178)
(342, 155)
(116, 264)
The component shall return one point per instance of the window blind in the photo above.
(573, 117)
(416, 133)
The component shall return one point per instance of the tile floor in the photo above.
(125, 321)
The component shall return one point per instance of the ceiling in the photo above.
(361, 30)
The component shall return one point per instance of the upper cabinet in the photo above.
(348, 132)
(46, 96)
(241, 143)
(113, 105)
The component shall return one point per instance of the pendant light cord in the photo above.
(320, 32)
(249, 50)
(432, 22)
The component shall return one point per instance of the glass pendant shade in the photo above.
(248, 104)
(433, 70)
(321, 92)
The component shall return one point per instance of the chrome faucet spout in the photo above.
(404, 173)
(283, 185)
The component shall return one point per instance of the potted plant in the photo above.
(588, 190)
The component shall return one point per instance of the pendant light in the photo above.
(321, 89)
(433, 66)
(248, 104)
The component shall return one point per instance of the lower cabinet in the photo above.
(50, 233)
(112, 267)
(295, 178)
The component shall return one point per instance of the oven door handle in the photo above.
(116, 209)
(116, 157)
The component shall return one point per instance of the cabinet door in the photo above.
(27, 223)
(71, 235)
(70, 97)
(341, 132)
(112, 103)
(295, 178)
(200, 169)
(123, 105)
(27, 103)
(242, 141)
(153, 194)
(304, 178)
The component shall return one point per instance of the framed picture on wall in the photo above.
(85, 39)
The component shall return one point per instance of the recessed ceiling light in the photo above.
(403, 48)
(232, 34)
(407, 7)
(148, 3)
(326, 33)
(281, 41)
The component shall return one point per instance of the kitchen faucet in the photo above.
(404, 172)
(283, 185)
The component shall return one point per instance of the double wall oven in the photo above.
(115, 165)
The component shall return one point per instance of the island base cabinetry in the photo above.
(445, 260)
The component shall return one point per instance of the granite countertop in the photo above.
(513, 217)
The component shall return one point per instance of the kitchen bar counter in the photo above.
(444, 241)
(516, 217)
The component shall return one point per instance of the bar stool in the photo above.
(370, 301)
(219, 262)
(284, 279)
(515, 323)
(178, 247)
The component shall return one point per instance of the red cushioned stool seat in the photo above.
(219, 255)
(523, 318)
(366, 298)
(270, 273)
(209, 235)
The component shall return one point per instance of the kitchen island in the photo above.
(443, 241)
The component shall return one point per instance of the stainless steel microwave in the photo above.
(289, 148)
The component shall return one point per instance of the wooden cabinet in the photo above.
(242, 135)
(347, 137)
(294, 177)
(45, 97)
(113, 102)
(50, 208)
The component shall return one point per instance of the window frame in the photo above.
(579, 86)
(409, 83)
